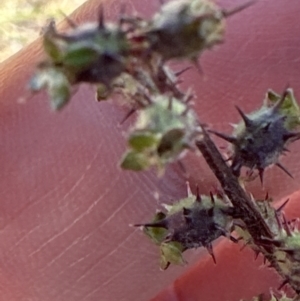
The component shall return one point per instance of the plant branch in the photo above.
(247, 210)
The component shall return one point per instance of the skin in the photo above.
(66, 206)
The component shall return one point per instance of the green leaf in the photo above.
(140, 141)
(290, 108)
(38, 81)
(156, 234)
(60, 96)
(52, 49)
(58, 88)
(56, 83)
(171, 142)
(171, 252)
(52, 45)
(135, 161)
(80, 56)
(102, 92)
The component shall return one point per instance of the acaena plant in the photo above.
(130, 57)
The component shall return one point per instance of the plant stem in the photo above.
(247, 210)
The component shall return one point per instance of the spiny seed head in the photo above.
(260, 142)
(261, 137)
(83, 46)
(184, 28)
(93, 53)
(190, 223)
(163, 130)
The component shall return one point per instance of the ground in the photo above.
(21, 21)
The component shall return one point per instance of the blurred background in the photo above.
(21, 21)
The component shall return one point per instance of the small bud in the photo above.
(163, 130)
(184, 28)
